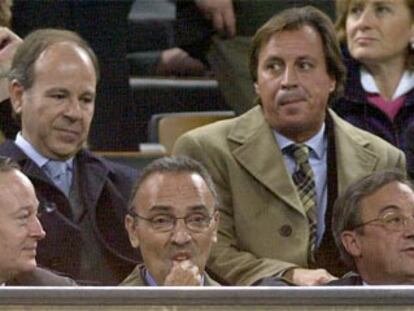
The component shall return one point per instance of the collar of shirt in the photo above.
(151, 281)
(405, 85)
(317, 143)
(33, 154)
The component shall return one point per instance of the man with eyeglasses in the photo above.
(373, 227)
(173, 219)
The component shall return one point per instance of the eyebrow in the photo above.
(166, 208)
(390, 207)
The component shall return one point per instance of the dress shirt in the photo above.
(35, 156)
(317, 159)
(405, 85)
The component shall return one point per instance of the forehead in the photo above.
(392, 194)
(16, 190)
(178, 191)
(368, 2)
(302, 42)
(61, 57)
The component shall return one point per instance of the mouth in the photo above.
(69, 134)
(181, 256)
(364, 40)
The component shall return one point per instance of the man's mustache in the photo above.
(287, 96)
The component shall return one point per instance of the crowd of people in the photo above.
(307, 187)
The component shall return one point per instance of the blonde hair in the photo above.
(342, 9)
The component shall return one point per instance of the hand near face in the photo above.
(183, 273)
(309, 277)
(9, 42)
(221, 14)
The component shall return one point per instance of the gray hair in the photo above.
(346, 213)
(176, 164)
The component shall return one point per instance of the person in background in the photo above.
(378, 48)
(173, 218)
(20, 231)
(9, 42)
(279, 167)
(53, 80)
(373, 227)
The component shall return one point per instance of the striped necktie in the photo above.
(305, 183)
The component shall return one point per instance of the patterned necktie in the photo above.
(58, 172)
(305, 183)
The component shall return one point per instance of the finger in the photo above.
(218, 22)
(230, 22)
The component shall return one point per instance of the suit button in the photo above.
(285, 230)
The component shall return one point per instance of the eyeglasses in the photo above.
(196, 222)
(391, 221)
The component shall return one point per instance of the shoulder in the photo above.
(41, 277)
(219, 133)
(135, 278)
(348, 132)
(115, 171)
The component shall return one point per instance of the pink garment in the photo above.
(389, 107)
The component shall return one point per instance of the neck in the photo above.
(387, 76)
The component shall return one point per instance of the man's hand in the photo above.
(308, 277)
(221, 14)
(183, 273)
(9, 42)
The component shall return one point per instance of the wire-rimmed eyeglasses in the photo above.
(195, 222)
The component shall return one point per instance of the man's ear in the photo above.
(332, 85)
(131, 227)
(351, 242)
(16, 91)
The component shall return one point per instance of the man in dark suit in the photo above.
(279, 167)
(173, 218)
(84, 197)
(373, 227)
(20, 231)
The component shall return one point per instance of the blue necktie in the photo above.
(58, 172)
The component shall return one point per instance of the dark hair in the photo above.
(8, 164)
(295, 19)
(346, 214)
(177, 164)
(22, 67)
(342, 9)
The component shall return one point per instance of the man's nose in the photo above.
(73, 109)
(36, 229)
(180, 234)
(289, 78)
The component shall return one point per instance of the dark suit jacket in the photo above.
(137, 278)
(104, 188)
(40, 277)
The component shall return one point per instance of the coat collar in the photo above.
(253, 145)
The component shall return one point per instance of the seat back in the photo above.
(165, 128)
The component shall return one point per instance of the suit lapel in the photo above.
(257, 151)
(351, 145)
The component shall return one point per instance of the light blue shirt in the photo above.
(35, 156)
(318, 146)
